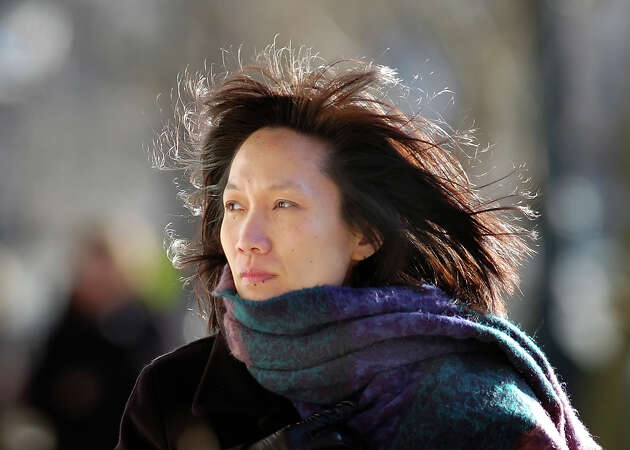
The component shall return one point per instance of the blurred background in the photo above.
(86, 84)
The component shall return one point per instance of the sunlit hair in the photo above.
(399, 182)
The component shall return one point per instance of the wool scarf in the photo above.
(425, 370)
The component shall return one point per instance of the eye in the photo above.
(228, 206)
(285, 201)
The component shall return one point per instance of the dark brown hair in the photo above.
(400, 184)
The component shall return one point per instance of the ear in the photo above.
(362, 248)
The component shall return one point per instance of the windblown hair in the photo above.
(400, 185)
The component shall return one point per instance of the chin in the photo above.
(258, 291)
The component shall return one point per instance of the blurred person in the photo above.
(352, 277)
(83, 374)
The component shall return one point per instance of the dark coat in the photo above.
(200, 397)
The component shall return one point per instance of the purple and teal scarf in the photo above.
(426, 371)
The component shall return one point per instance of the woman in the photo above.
(352, 277)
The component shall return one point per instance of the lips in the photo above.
(255, 276)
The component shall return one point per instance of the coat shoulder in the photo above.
(184, 364)
(175, 376)
(159, 405)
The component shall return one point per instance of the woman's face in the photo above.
(282, 217)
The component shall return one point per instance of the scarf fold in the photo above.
(422, 367)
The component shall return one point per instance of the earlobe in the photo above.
(363, 249)
(369, 249)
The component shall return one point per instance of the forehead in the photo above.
(278, 156)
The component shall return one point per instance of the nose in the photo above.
(253, 236)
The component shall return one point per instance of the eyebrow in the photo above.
(274, 187)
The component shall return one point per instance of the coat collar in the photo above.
(227, 387)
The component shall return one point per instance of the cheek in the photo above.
(327, 246)
(295, 241)
(225, 237)
(292, 239)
